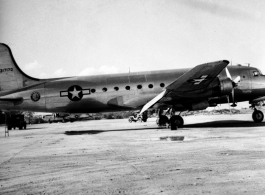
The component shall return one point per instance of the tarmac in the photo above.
(217, 154)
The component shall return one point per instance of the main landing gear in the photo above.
(174, 122)
(257, 116)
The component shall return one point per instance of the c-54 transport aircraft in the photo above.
(205, 85)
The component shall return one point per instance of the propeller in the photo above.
(235, 84)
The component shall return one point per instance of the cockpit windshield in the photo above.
(257, 73)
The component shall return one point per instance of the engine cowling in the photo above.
(224, 87)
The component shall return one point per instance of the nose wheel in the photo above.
(257, 116)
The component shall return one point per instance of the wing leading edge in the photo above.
(197, 78)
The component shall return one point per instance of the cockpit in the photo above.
(257, 73)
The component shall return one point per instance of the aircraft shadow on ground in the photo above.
(226, 123)
(213, 124)
(104, 131)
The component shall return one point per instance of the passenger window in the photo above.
(104, 89)
(93, 90)
(139, 86)
(150, 86)
(162, 84)
(116, 88)
(127, 87)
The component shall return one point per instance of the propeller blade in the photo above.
(237, 79)
(228, 73)
(235, 83)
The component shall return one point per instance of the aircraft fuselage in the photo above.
(117, 92)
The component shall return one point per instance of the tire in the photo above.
(25, 126)
(257, 116)
(176, 121)
(130, 120)
(9, 127)
(20, 127)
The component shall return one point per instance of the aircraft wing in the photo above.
(197, 78)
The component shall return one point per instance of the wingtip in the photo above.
(226, 61)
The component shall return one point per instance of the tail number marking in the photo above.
(6, 70)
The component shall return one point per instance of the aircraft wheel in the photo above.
(257, 116)
(162, 121)
(176, 121)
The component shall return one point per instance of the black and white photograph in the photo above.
(132, 97)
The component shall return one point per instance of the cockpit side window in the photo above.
(256, 73)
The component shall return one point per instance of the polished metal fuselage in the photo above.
(118, 92)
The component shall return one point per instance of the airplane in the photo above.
(205, 85)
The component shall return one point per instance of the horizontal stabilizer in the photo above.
(17, 99)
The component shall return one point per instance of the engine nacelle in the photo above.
(224, 87)
(200, 105)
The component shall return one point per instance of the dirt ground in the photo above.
(220, 154)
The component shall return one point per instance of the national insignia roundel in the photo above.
(35, 96)
(75, 93)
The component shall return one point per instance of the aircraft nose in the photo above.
(258, 84)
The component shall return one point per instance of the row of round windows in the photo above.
(104, 89)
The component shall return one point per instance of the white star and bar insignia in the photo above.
(199, 80)
(75, 93)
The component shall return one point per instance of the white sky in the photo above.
(53, 38)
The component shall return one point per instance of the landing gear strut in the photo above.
(174, 122)
(162, 121)
(257, 116)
